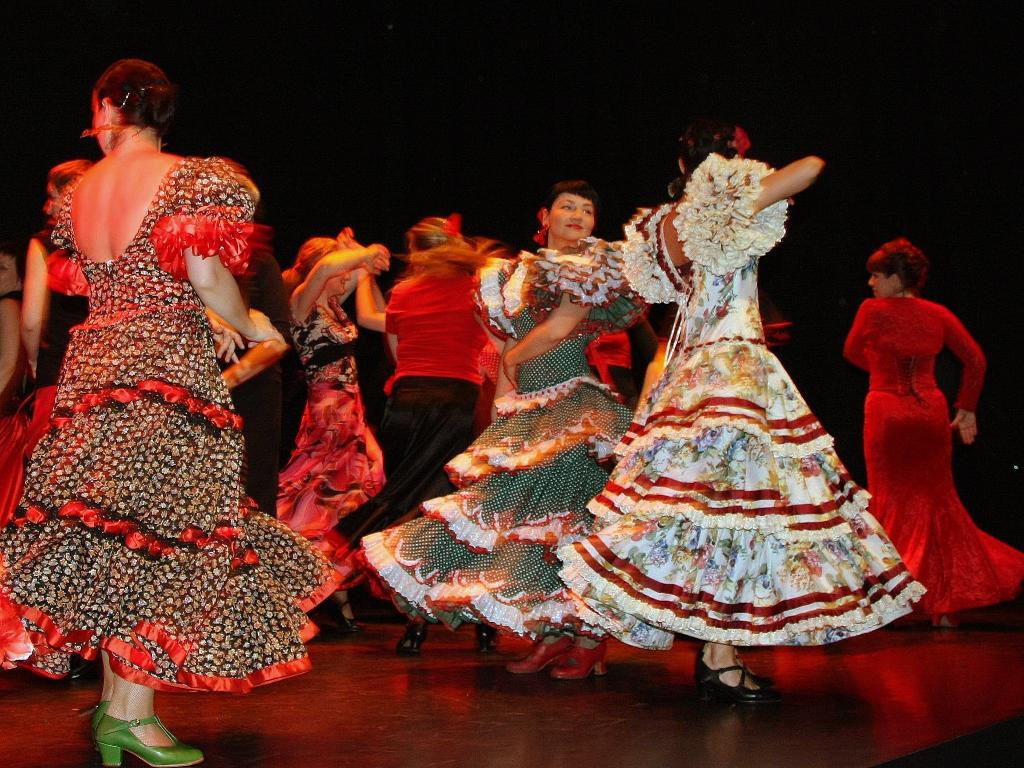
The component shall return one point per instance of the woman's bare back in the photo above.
(110, 204)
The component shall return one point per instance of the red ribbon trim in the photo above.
(139, 540)
(52, 640)
(173, 394)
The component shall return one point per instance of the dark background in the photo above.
(374, 115)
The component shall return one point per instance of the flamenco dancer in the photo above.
(336, 465)
(485, 553)
(133, 538)
(729, 516)
(435, 336)
(908, 443)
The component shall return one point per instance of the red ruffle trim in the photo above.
(171, 393)
(211, 232)
(137, 539)
(52, 639)
(65, 276)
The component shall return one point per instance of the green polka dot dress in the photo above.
(486, 553)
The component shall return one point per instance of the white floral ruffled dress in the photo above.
(729, 516)
(487, 551)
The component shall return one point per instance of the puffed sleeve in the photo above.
(212, 217)
(716, 221)
(590, 276)
(490, 295)
(645, 261)
(972, 360)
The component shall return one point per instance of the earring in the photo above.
(541, 236)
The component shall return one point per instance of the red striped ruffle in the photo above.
(702, 604)
(698, 496)
(803, 429)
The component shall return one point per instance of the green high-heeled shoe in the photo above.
(114, 737)
(97, 714)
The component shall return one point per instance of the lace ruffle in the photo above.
(479, 461)
(643, 624)
(490, 299)
(646, 265)
(716, 222)
(517, 402)
(474, 601)
(591, 276)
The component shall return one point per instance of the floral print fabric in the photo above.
(133, 534)
(729, 516)
(336, 465)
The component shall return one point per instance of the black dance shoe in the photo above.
(410, 642)
(486, 638)
(711, 688)
(346, 626)
(761, 681)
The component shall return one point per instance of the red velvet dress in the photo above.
(908, 451)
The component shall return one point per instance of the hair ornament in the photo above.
(740, 141)
(453, 225)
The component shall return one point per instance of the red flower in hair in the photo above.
(740, 141)
(453, 224)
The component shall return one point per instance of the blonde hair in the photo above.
(435, 250)
(310, 252)
(64, 173)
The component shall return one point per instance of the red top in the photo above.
(897, 340)
(435, 320)
(607, 350)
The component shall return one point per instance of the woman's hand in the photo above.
(378, 259)
(262, 329)
(967, 424)
(226, 339)
(347, 239)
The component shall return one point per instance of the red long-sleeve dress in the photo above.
(908, 452)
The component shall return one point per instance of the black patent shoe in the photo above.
(711, 688)
(346, 626)
(410, 642)
(761, 681)
(486, 638)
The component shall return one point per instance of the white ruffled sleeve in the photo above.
(716, 222)
(592, 276)
(491, 296)
(645, 262)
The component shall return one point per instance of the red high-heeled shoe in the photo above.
(541, 655)
(579, 662)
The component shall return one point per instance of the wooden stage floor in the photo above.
(907, 695)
